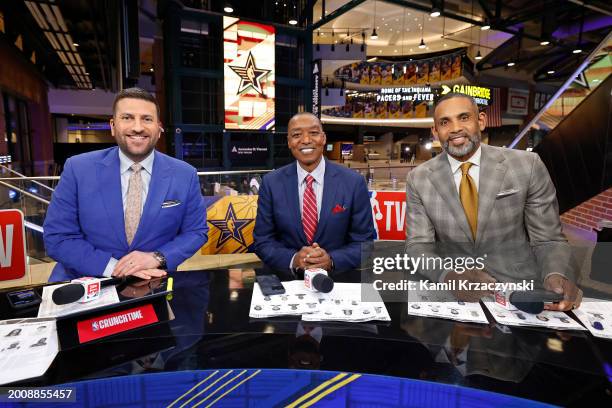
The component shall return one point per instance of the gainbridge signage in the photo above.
(248, 69)
(481, 94)
(13, 270)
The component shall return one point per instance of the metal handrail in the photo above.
(27, 193)
(23, 176)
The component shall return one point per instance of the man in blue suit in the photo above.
(127, 210)
(312, 213)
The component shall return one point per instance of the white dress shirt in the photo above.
(474, 171)
(124, 168)
(318, 174)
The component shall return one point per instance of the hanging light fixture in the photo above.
(422, 44)
(228, 7)
(374, 36)
(486, 26)
(478, 55)
(362, 41)
(293, 19)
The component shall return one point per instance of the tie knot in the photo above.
(309, 180)
(136, 167)
(465, 167)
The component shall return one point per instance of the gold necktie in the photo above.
(469, 197)
(133, 203)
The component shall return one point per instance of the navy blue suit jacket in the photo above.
(84, 226)
(278, 228)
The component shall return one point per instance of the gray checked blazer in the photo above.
(519, 231)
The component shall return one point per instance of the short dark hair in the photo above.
(452, 95)
(135, 93)
(312, 115)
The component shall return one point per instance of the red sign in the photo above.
(389, 214)
(118, 322)
(12, 245)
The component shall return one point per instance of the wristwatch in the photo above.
(161, 259)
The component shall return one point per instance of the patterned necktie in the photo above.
(133, 203)
(469, 197)
(309, 210)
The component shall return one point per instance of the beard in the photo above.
(468, 147)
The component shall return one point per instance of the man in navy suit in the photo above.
(127, 210)
(312, 213)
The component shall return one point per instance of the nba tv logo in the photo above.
(12, 245)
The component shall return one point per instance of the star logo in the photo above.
(231, 227)
(250, 75)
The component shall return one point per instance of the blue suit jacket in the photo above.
(84, 226)
(278, 228)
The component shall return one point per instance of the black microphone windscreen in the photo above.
(322, 283)
(533, 307)
(67, 294)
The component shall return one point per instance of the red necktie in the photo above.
(309, 210)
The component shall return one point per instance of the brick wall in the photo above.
(586, 215)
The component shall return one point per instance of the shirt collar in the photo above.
(318, 173)
(455, 164)
(125, 162)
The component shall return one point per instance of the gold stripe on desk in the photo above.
(330, 390)
(320, 388)
(193, 388)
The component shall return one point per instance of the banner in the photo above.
(248, 65)
(404, 73)
(316, 88)
(230, 221)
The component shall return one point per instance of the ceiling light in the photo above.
(478, 55)
(422, 44)
(544, 42)
(435, 12)
(510, 64)
(228, 9)
(293, 21)
(428, 145)
(577, 51)
(374, 36)
(485, 26)
(551, 72)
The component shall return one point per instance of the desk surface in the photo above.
(212, 330)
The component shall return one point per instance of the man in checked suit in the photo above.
(487, 201)
(312, 213)
(127, 210)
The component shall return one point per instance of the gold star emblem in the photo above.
(250, 75)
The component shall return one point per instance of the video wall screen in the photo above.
(249, 74)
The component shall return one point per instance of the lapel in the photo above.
(442, 179)
(108, 173)
(492, 172)
(158, 187)
(329, 196)
(292, 194)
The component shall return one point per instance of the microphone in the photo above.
(79, 288)
(527, 301)
(317, 280)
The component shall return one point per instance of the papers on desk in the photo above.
(442, 304)
(27, 348)
(108, 296)
(596, 315)
(547, 318)
(341, 304)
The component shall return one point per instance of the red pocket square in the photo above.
(338, 209)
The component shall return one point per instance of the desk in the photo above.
(212, 331)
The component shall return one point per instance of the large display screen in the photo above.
(248, 59)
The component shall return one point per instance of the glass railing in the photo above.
(595, 69)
